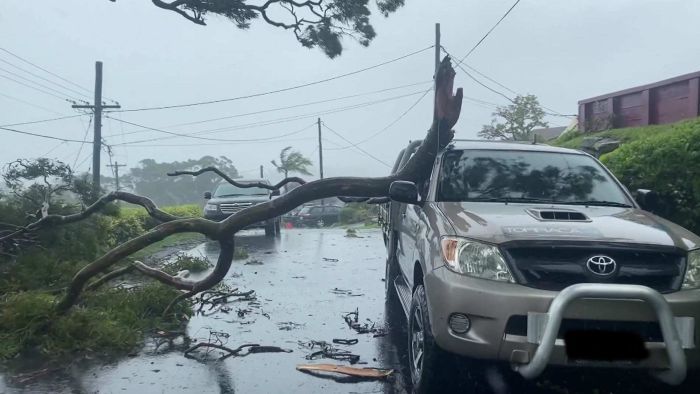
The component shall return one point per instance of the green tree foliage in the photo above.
(321, 23)
(515, 121)
(668, 163)
(292, 161)
(38, 182)
(150, 179)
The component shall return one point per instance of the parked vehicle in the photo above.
(228, 199)
(317, 216)
(534, 255)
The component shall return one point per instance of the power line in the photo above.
(355, 146)
(489, 32)
(42, 120)
(278, 90)
(218, 144)
(80, 150)
(44, 70)
(37, 89)
(39, 84)
(29, 104)
(388, 125)
(263, 123)
(44, 79)
(41, 135)
(551, 111)
(209, 139)
(287, 107)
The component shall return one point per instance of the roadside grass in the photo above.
(112, 320)
(108, 320)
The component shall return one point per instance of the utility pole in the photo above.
(261, 172)
(320, 149)
(97, 108)
(115, 167)
(320, 154)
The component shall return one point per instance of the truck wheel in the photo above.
(278, 227)
(424, 356)
(390, 273)
(270, 230)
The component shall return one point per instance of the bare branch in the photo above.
(232, 181)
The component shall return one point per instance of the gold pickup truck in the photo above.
(532, 255)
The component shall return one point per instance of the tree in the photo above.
(292, 161)
(320, 23)
(150, 179)
(516, 121)
(416, 170)
(40, 182)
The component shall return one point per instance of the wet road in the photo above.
(304, 281)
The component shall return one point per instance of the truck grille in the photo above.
(556, 266)
(234, 207)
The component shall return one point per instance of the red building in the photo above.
(661, 102)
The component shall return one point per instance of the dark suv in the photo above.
(228, 199)
(317, 216)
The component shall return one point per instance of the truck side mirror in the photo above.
(275, 193)
(207, 195)
(403, 191)
(647, 199)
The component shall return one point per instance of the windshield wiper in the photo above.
(512, 199)
(230, 195)
(600, 203)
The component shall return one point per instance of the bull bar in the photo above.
(545, 330)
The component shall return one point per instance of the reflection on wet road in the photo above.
(305, 281)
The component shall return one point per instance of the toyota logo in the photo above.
(601, 265)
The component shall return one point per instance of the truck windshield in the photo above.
(511, 176)
(227, 190)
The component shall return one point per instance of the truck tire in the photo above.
(270, 229)
(391, 272)
(424, 356)
(278, 226)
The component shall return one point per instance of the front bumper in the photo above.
(491, 304)
(218, 216)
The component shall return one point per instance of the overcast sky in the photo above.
(561, 51)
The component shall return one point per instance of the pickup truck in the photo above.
(531, 256)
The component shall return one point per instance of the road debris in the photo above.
(289, 326)
(341, 341)
(351, 233)
(367, 373)
(237, 352)
(330, 259)
(352, 320)
(254, 262)
(327, 350)
(346, 292)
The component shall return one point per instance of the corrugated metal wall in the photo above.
(658, 103)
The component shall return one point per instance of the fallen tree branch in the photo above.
(416, 170)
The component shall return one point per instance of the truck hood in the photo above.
(500, 222)
(239, 199)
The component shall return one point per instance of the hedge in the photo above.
(668, 163)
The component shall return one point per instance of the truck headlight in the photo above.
(209, 207)
(475, 259)
(692, 273)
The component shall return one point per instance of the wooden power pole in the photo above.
(97, 108)
(320, 150)
(115, 167)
